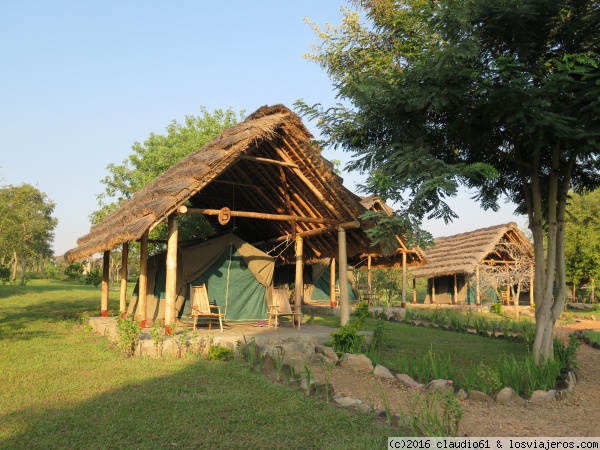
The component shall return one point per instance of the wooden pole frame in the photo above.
(105, 276)
(403, 303)
(171, 279)
(332, 294)
(477, 288)
(257, 215)
(299, 281)
(414, 290)
(123, 293)
(433, 290)
(455, 298)
(343, 276)
(143, 281)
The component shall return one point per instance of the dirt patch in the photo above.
(574, 416)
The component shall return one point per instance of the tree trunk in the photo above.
(23, 268)
(15, 262)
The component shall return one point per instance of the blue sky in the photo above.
(82, 81)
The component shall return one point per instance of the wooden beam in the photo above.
(256, 215)
(433, 290)
(477, 289)
(343, 277)
(455, 290)
(123, 293)
(143, 281)
(317, 231)
(237, 183)
(171, 279)
(268, 161)
(414, 291)
(105, 272)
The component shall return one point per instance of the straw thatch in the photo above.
(461, 253)
(226, 173)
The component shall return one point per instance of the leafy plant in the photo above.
(4, 274)
(347, 339)
(435, 413)
(218, 353)
(496, 308)
(158, 337)
(129, 331)
(362, 313)
(182, 341)
(93, 277)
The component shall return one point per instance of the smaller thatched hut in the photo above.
(473, 267)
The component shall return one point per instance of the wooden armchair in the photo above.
(281, 307)
(202, 308)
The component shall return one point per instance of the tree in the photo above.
(500, 96)
(26, 225)
(582, 239)
(154, 156)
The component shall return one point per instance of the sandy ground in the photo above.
(576, 415)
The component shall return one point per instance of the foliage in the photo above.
(361, 312)
(496, 308)
(156, 154)
(26, 223)
(498, 97)
(435, 413)
(566, 355)
(4, 274)
(93, 277)
(347, 339)
(218, 353)
(74, 271)
(129, 331)
(582, 237)
(158, 337)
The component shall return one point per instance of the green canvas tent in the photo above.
(238, 278)
(316, 279)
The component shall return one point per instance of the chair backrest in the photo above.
(281, 300)
(200, 299)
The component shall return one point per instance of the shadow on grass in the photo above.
(204, 405)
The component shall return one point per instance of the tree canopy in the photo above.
(500, 96)
(26, 223)
(582, 238)
(154, 156)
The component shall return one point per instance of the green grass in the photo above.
(64, 389)
(593, 336)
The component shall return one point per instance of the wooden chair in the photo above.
(202, 308)
(281, 307)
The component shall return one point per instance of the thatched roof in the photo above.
(231, 172)
(461, 253)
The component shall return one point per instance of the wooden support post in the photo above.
(414, 291)
(332, 293)
(123, 294)
(455, 299)
(143, 283)
(171, 279)
(369, 286)
(343, 267)
(433, 290)
(105, 272)
(299, 281)
(403, 304)
(477, 290)
(508, 287)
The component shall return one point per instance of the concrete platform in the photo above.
(296, 343)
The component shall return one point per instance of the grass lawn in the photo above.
(63, 389)
(593, 336)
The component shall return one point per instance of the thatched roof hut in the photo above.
(265, 165)
(461, 253)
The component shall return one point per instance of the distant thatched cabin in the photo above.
(458, 266)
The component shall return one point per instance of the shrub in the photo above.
(129, 331)
(219, 353)
(362, 313)
(93, 277)
(74, 270)
(347, 339)
(4, 274)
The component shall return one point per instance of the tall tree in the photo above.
(582, 239)
(154, 156)
(498, 95)
(26, 224)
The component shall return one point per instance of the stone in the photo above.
(382, 372)
(356, 362)
(478, 396)
(505, 396)
(268, 365)
(551, 394)
(348, 402)
(310, 389)
(316, 359)
(538, 397)
(440, 385)
(580, 306)
(407, 380)
(462, 394)
(328, 353)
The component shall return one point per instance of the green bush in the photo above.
(93, 277)
(219, 353)
(347, 339)
(4, 274)
(74, 271)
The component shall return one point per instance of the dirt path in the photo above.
(575, 416)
